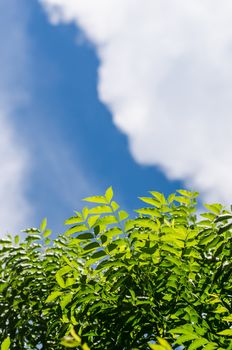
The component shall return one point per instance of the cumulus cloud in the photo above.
(166, 75)
(14, 208)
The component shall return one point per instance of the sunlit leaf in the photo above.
(43, 225)
(109, 194)
(226, 332)
(96, 199)
(122, 214)
(53, 296)
(6, 344)
(76, 229)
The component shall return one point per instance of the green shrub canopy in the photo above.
(118, 283)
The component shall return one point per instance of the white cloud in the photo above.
(14, 208)
(166, 75)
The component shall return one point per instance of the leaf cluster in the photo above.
(118, 283)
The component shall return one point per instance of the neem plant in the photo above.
(118, 283)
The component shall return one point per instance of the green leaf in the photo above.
(159, 196)
(197, 343)
(108, 220)
(164, 343)
(53, 296)
(92, 220)
(16, 239)
(65, 300)
(43, 225)
(227, 318)
(74, 220)
(47, 241)
(109, 194)
(64, 270)
(151, 201)
(60, 281)
(76, 229)
(182, 200)
(115, 206)
(96, 199)
(47, 233)
(210, 346)
(6, 344)
(92, 246)
(185, 338)
(215, 208)
(188, 193)
(171, 198)
(149, 211)
(226, 332)
(101, 209)
(122, 214)
(156, 347)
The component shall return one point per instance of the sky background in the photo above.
(133, 94)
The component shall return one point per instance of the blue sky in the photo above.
(92, 96)
(74, 149)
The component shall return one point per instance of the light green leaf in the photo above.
(47, 233)
(16, 239)
(53, 296)
(5, 344)
(215, 208)
(197, 343)
(156, 347)
(60, 281)
(85, 212)
(92, 220)
(101, 209)
(227, 318)
(74, 220)
(64, 270)
(112, 232)
(182, 200)
(65, 300)
(159, 196)
(115, 206)
(108, 220)
(210, 346)
(188, 193)
(186, 329)
(109, 194)
(122, 214)
(226, 332)
(75, 229)
(221, 309)
(171, 198)
(43, 225)
(186, 337)
(151, 201)
(149, 211)
(47, 241)
(164, 343)
(96, 199)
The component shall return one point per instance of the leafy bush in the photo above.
(120, 283)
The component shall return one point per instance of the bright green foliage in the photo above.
(111, 282)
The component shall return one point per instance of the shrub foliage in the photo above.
(118, 283)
